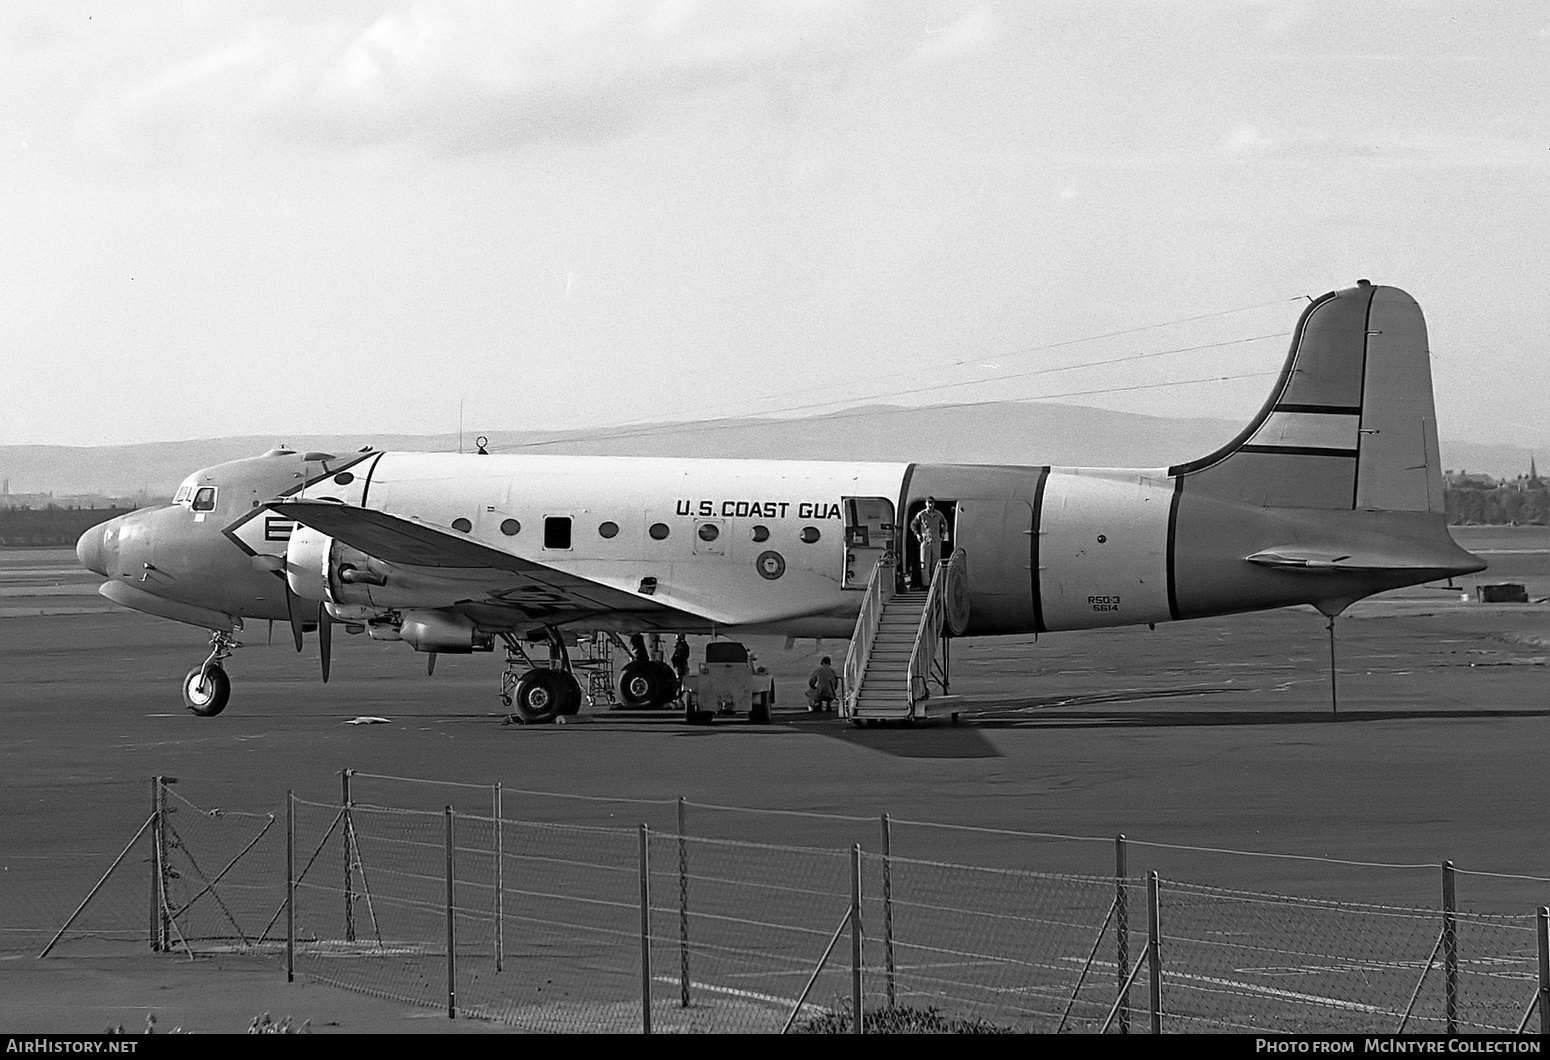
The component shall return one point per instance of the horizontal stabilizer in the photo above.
(413, 542)
(1317, 562)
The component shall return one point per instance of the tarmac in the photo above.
(1213, 746)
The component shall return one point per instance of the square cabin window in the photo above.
(557, 531)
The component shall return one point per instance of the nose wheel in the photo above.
(206, 688)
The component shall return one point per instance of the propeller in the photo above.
(430, 664)
(293, 613)
(325, 638)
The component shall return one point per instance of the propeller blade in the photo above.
(325, 638)
(271, 631)
(294, 614)
(430, 664)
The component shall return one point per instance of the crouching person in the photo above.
(822, 687)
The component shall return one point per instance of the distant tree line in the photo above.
(49, 527)
(1497, 507)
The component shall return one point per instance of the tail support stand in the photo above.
(1334, 694)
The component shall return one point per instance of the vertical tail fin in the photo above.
(1350, 423)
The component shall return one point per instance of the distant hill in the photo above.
(1005, 433)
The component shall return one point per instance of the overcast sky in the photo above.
(291, 216)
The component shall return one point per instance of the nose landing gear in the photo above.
(206, 688)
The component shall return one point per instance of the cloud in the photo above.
(967, 33)
(1245, 140)
(459, 75)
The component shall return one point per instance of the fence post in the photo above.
(451, 928)
(645, 930)
(855, 939)
(683, 908)
(349, 869)
(1154, 948)
(888, 910)
(163, 914)
(1122, 929)
(155, 924)
(1450, 948)
(500, 857)
(290, 886)
(1544, 970)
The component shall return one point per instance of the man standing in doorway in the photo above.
(930, 527)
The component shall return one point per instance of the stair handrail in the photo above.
(928, 636)
(879, 590)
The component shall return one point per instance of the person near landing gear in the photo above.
(680, 658)
(821, 687)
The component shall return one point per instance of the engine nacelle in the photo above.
(440, 631)
(306, 563)
(317, 567)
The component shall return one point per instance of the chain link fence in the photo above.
(576, 927)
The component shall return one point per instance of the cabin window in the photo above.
(462, 525)
(344, 478)
(204, 499)
(810, 534)
(659, 531)
(557, 531)
(510, 527)
(709, 531)
(761, 533)
(608, 530)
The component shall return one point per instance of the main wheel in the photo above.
(572, 702)
(670, 686)
(643, 685)
(206, 690)
(760, 712)
(693, 715)
(541, 695)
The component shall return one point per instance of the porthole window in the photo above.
(510, 527)
(344, 478)
(761, 533)
(608, 530)
(659, 531)
(809, 534)
(709, 531)
(462, 525)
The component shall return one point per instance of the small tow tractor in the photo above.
(729, 682)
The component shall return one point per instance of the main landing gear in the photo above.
(647, 684)
(537, 694)
(206, 688)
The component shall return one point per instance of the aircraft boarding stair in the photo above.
(899, 643)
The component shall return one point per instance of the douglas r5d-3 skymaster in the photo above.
(1333, 492)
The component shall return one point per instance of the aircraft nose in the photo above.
(92, 550)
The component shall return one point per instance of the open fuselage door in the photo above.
(869, 534)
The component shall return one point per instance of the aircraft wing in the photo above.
(413, 542)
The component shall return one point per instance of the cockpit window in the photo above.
(183, 494)
(204, 499)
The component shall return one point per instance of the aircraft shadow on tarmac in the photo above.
(1182, 718)
(966, 738)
